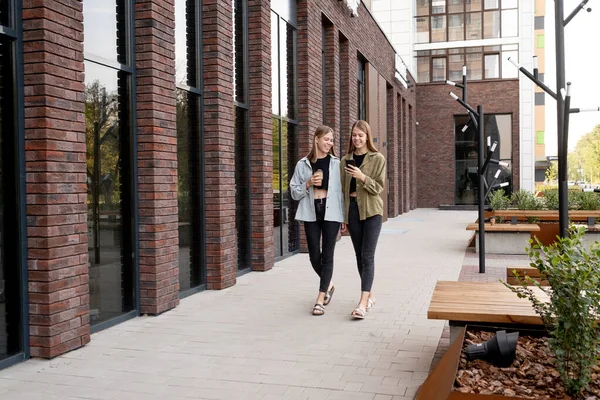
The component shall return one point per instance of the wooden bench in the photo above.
(587, 216)
(505, 227)
(532, 272)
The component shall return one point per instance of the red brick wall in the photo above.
(221, 240)
(56, 177)
(261, 134)
(435, 133)
(157, 155)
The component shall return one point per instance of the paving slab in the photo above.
(258, 339)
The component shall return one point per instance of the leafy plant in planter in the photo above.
(571, 315)
(499, 201)
(524, 200)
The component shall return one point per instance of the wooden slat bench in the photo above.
(547, 215)
(505, 238)
(532, 272)
(481, 302)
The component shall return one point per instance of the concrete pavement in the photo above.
(258, 340)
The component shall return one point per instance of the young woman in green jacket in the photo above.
(363, 176)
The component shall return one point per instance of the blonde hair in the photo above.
(363, 126)
(319, 133)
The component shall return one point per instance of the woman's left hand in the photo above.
(355, 172)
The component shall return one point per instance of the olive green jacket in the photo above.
(368, 194)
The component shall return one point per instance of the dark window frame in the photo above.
(14, 185)
(194, 88)
(464, 12)
(244, 108)
(362, 87)
(130, 224)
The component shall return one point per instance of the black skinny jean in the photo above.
(321, 260)
(364, 235)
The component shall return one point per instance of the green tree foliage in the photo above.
(586, 155)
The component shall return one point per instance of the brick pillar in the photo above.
(56, 177)
(219, 144)
(332, 82)
(400, 177)
(412, 129)
(348, 95)
(406, 156)
(261, 134)
(157, 155)
(392, 161)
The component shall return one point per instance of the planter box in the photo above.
(440, 383)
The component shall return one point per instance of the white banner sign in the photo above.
(401, 71)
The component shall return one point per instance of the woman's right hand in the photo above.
(343, 228)
(315, 180)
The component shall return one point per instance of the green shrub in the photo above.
(499, 201)
(570, 317)
(524, 200)
(550, 199)
(589, 201)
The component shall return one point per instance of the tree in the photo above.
(586, 154)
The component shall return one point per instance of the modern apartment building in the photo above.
(436, 38)
(146, 149)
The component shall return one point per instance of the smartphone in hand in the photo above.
(350, 162)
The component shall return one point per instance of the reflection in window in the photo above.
(456, 27)
(285, 141)
(474, 71)
(438, 6)
(242, 136)
(455, 6)
(362, 91)
(473, 26)
(492, 66)
(510, 23)
(489, 4)
(455, 64)
(509, 70)
(190, 193)
(499, 128)
(491, 24)
(108, 163)
(472, 5)
(101, 18)
(423, 69)
(10, 265)
(422, 7)
(439, 69)
(422, 30)
(438, 28)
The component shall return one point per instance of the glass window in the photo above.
(456, 6)
(472, 5)
(239, 45)
(455, 64)
(438, 69)
(474, 66)
(422, 7)
(438, 6)
(107, 129)
(491, 24)
(509, 4)
(274, 65)
(362, 92)
(509, 70)
(510, 23)
(456, 27)
(473, 26)
(423, 69)
(492, 66)
(422, 30)
(490, 4)
(287, 77)
(438, 28)
(100, 39)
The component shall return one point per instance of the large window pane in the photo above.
(108, 162)
(439, 69)
(277, 217)
(456, 6)
(275, 62)
(423, 69)
(472, 5)
(287, 44)
(242, 187)
(509, 70)
(101, 27)
(473, 26)
(455, 64)
(438, 6)
(422, 30)
(474, 66)
(10, 280)
(490, 4)
(422, 7)
(289, 152)
(510, 23)
(438, 28)
(491, 24)
(492, 66)
(239, 68)
(456, 27)
(4, 13)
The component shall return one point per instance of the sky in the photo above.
(582, 62)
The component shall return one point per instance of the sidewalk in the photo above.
(258, 340)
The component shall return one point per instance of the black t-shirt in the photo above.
(323, 165)
(359, 160)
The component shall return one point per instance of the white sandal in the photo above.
(370, 304)
(358, 313)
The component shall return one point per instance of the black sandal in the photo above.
(318, 309)
(328, 296)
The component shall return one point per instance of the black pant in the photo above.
(321, 260)
(364, 235)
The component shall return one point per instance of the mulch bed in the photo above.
(531, 376)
